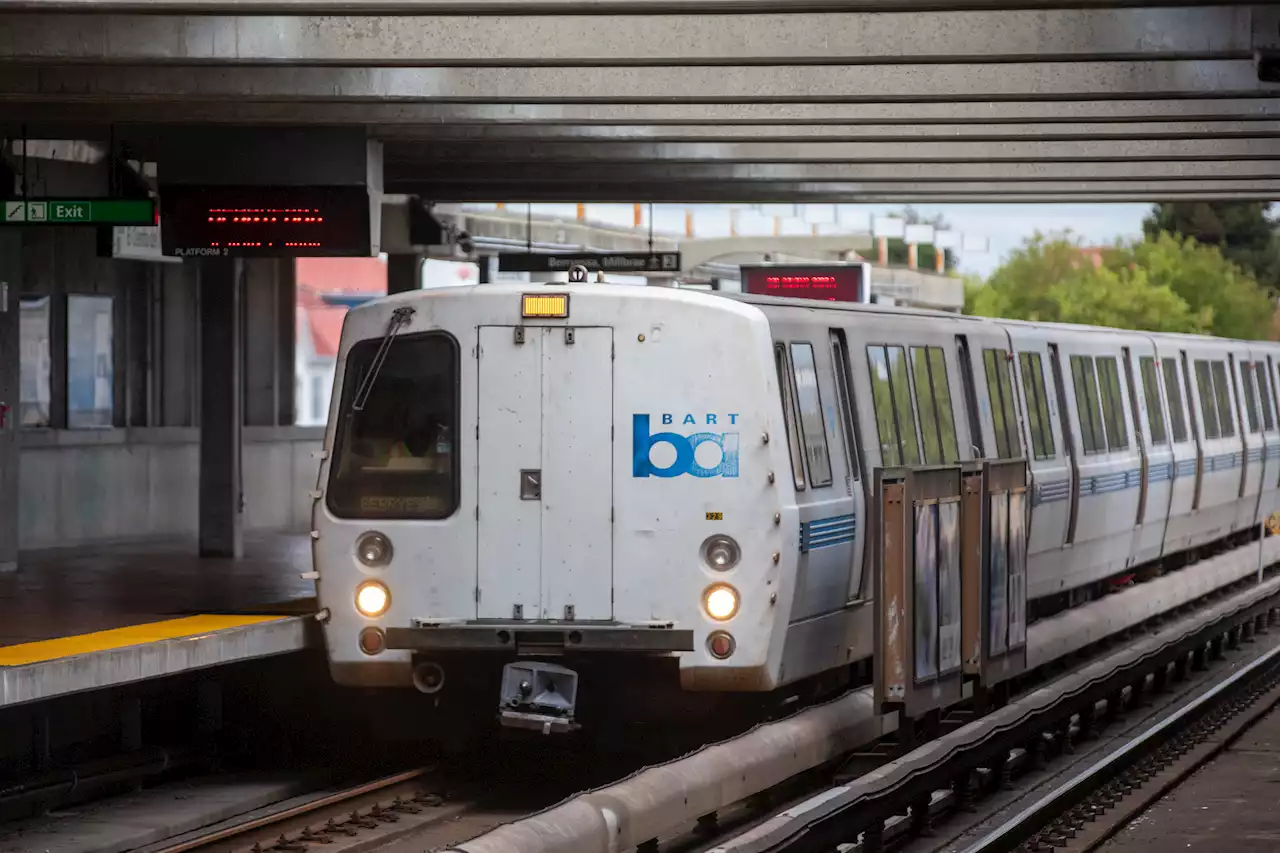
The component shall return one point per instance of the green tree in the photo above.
(1168, 284)
(1213, 287)
(1243, 231)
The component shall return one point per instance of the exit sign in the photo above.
(58, 211)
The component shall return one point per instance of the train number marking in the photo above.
(715, 516)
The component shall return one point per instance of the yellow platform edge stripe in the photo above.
(42, 651)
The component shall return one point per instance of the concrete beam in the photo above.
(516, 174)
(1007, 132)
(1221, 32)
(534, 7)
(722, 192)
(1148, 189)
(421, 118)
(1067, 81)
(460, 155)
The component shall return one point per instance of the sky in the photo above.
(1004, 226)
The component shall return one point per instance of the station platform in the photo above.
(73, 620)
(1229, 804)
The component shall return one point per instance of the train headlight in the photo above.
(373, 549)
(720, 602)
(372, 599)
(721, 552)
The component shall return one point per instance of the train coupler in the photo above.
(538, 696)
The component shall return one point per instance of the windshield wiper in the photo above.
(399, 317)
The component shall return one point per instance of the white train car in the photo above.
(596, 501)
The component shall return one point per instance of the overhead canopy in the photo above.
(652, 100)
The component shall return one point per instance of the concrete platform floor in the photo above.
(63, 592)
(1228, 805)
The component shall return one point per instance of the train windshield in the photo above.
(396, 456)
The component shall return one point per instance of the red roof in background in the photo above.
(333, 275)
(342, 275)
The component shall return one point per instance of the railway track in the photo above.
(348, 818)
(902, 803)
(434, 806)
(900, 798)
(721, 800)
(1085, 810)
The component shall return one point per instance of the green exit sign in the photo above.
(61, 211)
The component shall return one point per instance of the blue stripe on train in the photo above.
(1118, 481)
(825, 532)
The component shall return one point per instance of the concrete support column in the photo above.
(10, 377)
(286, 341)
(261, 365)
(221, 376)
(404, 272)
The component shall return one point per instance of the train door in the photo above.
(1139, 434)
(855, 472)
(965, 359)
(1250, 420)
(1068, 442)
(1184, 449)
(1266, 371)
(1194, 410)
(1107, 459)
(825, 497)
(1049, 457)
(1152, 419)
(545, 482)
(1221, 441)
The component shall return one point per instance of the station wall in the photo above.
(107, 436)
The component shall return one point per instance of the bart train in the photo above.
(564, 502)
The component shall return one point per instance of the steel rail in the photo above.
(299, 810)
(1022, 825)
(836, 815)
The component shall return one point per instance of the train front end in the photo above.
(554, 498)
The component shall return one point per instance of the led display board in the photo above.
(828, 282)
(265, 221)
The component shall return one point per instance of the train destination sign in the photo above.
(251, 221)
(619, 262)
(828, 282)
(86, 211)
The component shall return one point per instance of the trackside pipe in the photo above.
(652, 801)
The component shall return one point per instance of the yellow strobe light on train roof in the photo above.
(545, 305)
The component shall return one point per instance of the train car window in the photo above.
(1226, 423)
(1092, 437)
(789, 415)
(1037, 405)
(1112, 403)
(813, 426)
(942, 395)
(933, 402)
(1151, 393)
(1264, 396)
(1208, 408)
(882, 399)
(1250, 396)
(1173, 388)
(902, 405)
(1003, 414)
(397, 456)
(891, 396)
(844, 390)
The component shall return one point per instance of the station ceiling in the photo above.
(693, 101)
